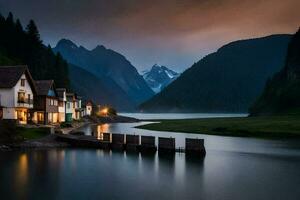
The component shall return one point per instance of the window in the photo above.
(23, 82)
(60, 103)
(68, 105)
(21, 97)
(40, 117)
(55, 102)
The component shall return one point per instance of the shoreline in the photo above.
(251, 127)
(50, 140)
(274, 127)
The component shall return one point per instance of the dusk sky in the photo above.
(170, 32)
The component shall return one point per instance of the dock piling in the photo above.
(117, 141)
(148, 144)
(166, 144)
(194, 146)
(132, 142)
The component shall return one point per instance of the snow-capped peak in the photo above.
(158, 77)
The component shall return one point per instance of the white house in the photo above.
(17, 91)
(69, 107)
(79, 111)
(62, 104)
(89, 108)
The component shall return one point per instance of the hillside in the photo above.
(24, 46)
(106, 63)
(282, 92)
(101, 91)
(228, 80)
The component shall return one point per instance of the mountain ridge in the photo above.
(103, 62)
(92, 88)
(281, 94)
(227, 80)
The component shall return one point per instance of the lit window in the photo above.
(21, 97)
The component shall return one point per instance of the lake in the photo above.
(234, 168)
(147, 116)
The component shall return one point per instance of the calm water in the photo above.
(179, 115)
(234, 168)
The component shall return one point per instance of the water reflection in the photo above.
(21, 176)
(32, 174)
(96, 174)
(22, 169)
(103, 128)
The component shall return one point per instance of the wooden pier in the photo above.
(137, 143)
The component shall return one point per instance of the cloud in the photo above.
(170, 32)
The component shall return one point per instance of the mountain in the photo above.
(158, 77)
(106, 63)
(282, 93)
(228, 80)
(102, 91)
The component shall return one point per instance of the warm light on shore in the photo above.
(104, 111)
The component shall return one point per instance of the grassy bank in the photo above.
(266, 127)
(19, 134)
(32, 133)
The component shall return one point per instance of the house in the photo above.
(69, 107)
(17, 91)
(79, 111)
(89, 108)
(74, 106)
(62, 100)
(46, 103)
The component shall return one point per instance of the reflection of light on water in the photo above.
(23, 167)
(103, 128)
(21, 176)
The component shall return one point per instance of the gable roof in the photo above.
(89, 103)
(10, 75)
(43, 87)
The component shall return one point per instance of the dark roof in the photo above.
(10, 75)
(60, 92)
(89, 102)
(43, 86)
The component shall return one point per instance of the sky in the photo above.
(174, 33)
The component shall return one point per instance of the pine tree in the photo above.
(19, 46)
(33, 33)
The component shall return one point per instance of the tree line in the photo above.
(23, 46)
